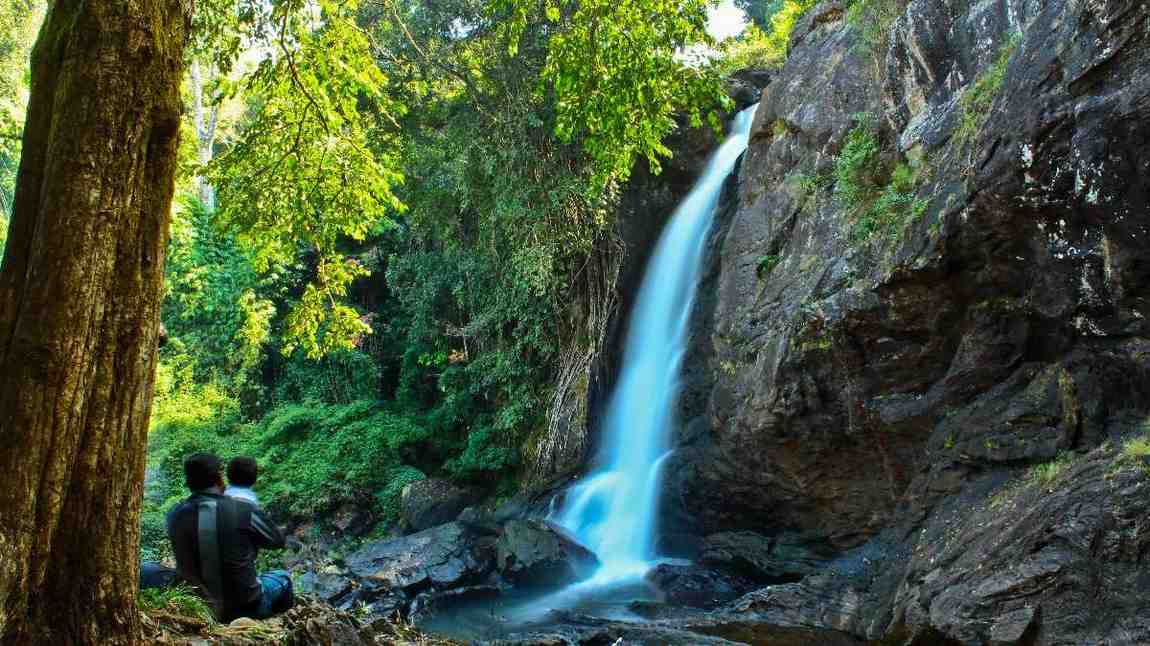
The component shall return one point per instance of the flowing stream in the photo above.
(613, 511)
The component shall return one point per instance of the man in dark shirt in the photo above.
(216, 540)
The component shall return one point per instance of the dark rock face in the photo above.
(427, 503)
(447, 556)
(892, 388)
(764, 560)
(695, 586)
(534, 553)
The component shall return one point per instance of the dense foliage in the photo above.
(407, 192)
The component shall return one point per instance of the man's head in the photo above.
(202, 471)
(242, 471)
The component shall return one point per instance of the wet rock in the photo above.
(427, 503)
(536, 553)
(427, 604)
(329, 587)
(447, 556)
(695, 586)
(782, 559)
(745, 86)
(389, 606)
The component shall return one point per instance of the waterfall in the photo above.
(613, 511)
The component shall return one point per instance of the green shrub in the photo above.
(154, 544)
(1135, 451)
(340, 377)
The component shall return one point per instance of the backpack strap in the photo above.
(208, 542)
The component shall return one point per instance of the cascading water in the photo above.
(613, 511)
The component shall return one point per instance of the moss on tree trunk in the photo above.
(80, 291)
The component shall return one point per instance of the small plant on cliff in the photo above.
(873, 20)
(767, 264)
(856, 180)
(1135, 453)
(979, 96)
(879, 201)
(1046, 474)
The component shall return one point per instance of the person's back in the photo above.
(216, 540)
(242, 475)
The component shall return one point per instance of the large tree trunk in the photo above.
(80, 290)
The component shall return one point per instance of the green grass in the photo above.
(180, 600)
(976, 101)
(1045, 475)
(810, 183)
(1135, 452)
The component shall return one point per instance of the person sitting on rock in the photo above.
(242, 474)
(216, 540)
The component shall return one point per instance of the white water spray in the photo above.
(614, 510)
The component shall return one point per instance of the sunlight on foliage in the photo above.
(619, 84)
(317, 162)
(764, 48)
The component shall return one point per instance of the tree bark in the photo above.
(80, 291)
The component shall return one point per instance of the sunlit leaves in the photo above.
(317, 163)
(321, 323)
(618, 77)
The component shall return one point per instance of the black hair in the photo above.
(242, 471)
(201, 471)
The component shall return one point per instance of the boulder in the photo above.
(693, 585)
(329, 587)
(443, 557)
(427, 503)
(536, 553)
(764, 560)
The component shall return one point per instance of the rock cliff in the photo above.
(923, 341)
